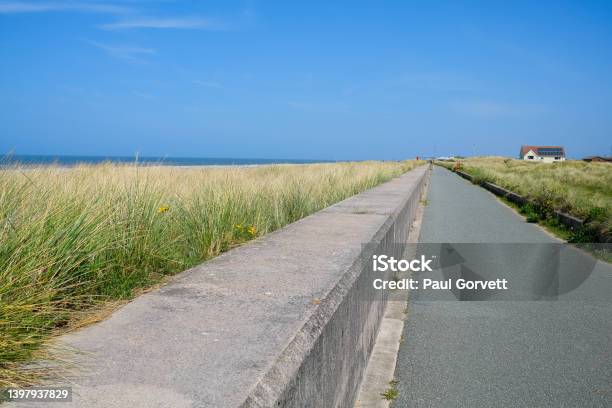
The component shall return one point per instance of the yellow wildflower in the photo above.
(252, 230)
(163, 209)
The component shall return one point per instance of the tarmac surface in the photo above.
(547, 342)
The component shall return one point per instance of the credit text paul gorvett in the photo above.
(384, 263)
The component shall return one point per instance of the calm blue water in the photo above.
(168, 161)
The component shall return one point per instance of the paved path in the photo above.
(503, 353)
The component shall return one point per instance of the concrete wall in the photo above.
(288, 320)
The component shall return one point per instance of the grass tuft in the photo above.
(391, 393)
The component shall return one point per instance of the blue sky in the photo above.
(307, 80)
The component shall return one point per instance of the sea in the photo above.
(62, 160)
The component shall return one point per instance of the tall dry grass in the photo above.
(73, 239)
(579, 188)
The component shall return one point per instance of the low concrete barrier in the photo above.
(573, 223)
(500, 191)
(516, 199)
(495, 189)
(287, 320)
(464, 175)
(566, 219)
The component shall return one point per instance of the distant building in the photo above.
(598, 159)
(545, 154)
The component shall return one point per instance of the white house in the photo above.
(544, 154)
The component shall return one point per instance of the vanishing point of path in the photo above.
(512, 353)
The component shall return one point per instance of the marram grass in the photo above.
(74, 239)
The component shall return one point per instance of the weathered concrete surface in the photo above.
(285, 320)
(381, 367)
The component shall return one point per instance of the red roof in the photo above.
(536, 149)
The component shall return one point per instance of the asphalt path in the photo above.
(546, 342)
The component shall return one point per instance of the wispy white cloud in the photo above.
(131, 18)
(11, 7)
(126, 52)
(207, 84)
(189, 23)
